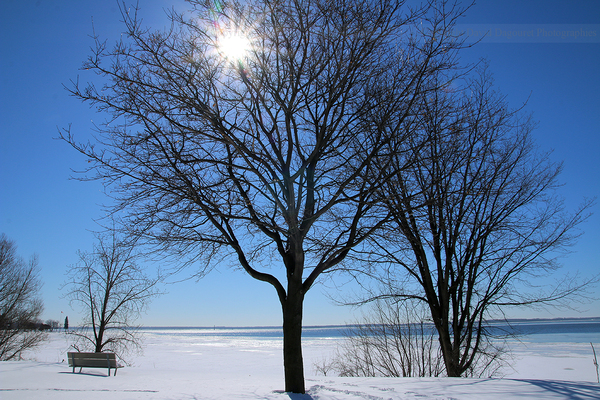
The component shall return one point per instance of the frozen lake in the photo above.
(246, 363)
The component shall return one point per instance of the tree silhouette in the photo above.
(476, 221)
(112, 291)
(269, 159)
(20, 305)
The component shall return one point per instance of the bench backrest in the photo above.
(107, 360)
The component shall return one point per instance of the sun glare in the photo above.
(234, 47)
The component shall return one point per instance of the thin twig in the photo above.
(595, 363)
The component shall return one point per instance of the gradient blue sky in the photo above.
(43, 43)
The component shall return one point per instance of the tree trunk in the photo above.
(448, 352)
(98, 344)
(293, 363)
(451, 370)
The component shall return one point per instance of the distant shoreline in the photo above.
(334, 326)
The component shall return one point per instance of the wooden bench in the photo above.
(93, 360)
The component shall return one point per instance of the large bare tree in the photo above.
(476, 222)
(265, 158)
(20, 304)
(112, 290)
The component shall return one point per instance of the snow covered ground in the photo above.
(182, 365)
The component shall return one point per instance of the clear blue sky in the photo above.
(44, 42)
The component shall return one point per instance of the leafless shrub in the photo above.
(324, 366)
(394, 340)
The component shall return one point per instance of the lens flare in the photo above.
(234, 47)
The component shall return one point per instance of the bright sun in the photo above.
(234, 47)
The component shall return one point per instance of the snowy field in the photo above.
(188, 364)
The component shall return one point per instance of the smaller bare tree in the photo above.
(20, 306)
(393, 340)
(112, 291)
(52, 323)
(476, 222)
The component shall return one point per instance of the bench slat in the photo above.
(92, 363)
(93, 360)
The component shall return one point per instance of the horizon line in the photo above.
(352, 324)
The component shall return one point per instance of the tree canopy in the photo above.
(270, 159)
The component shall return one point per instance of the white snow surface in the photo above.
(181, 365)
